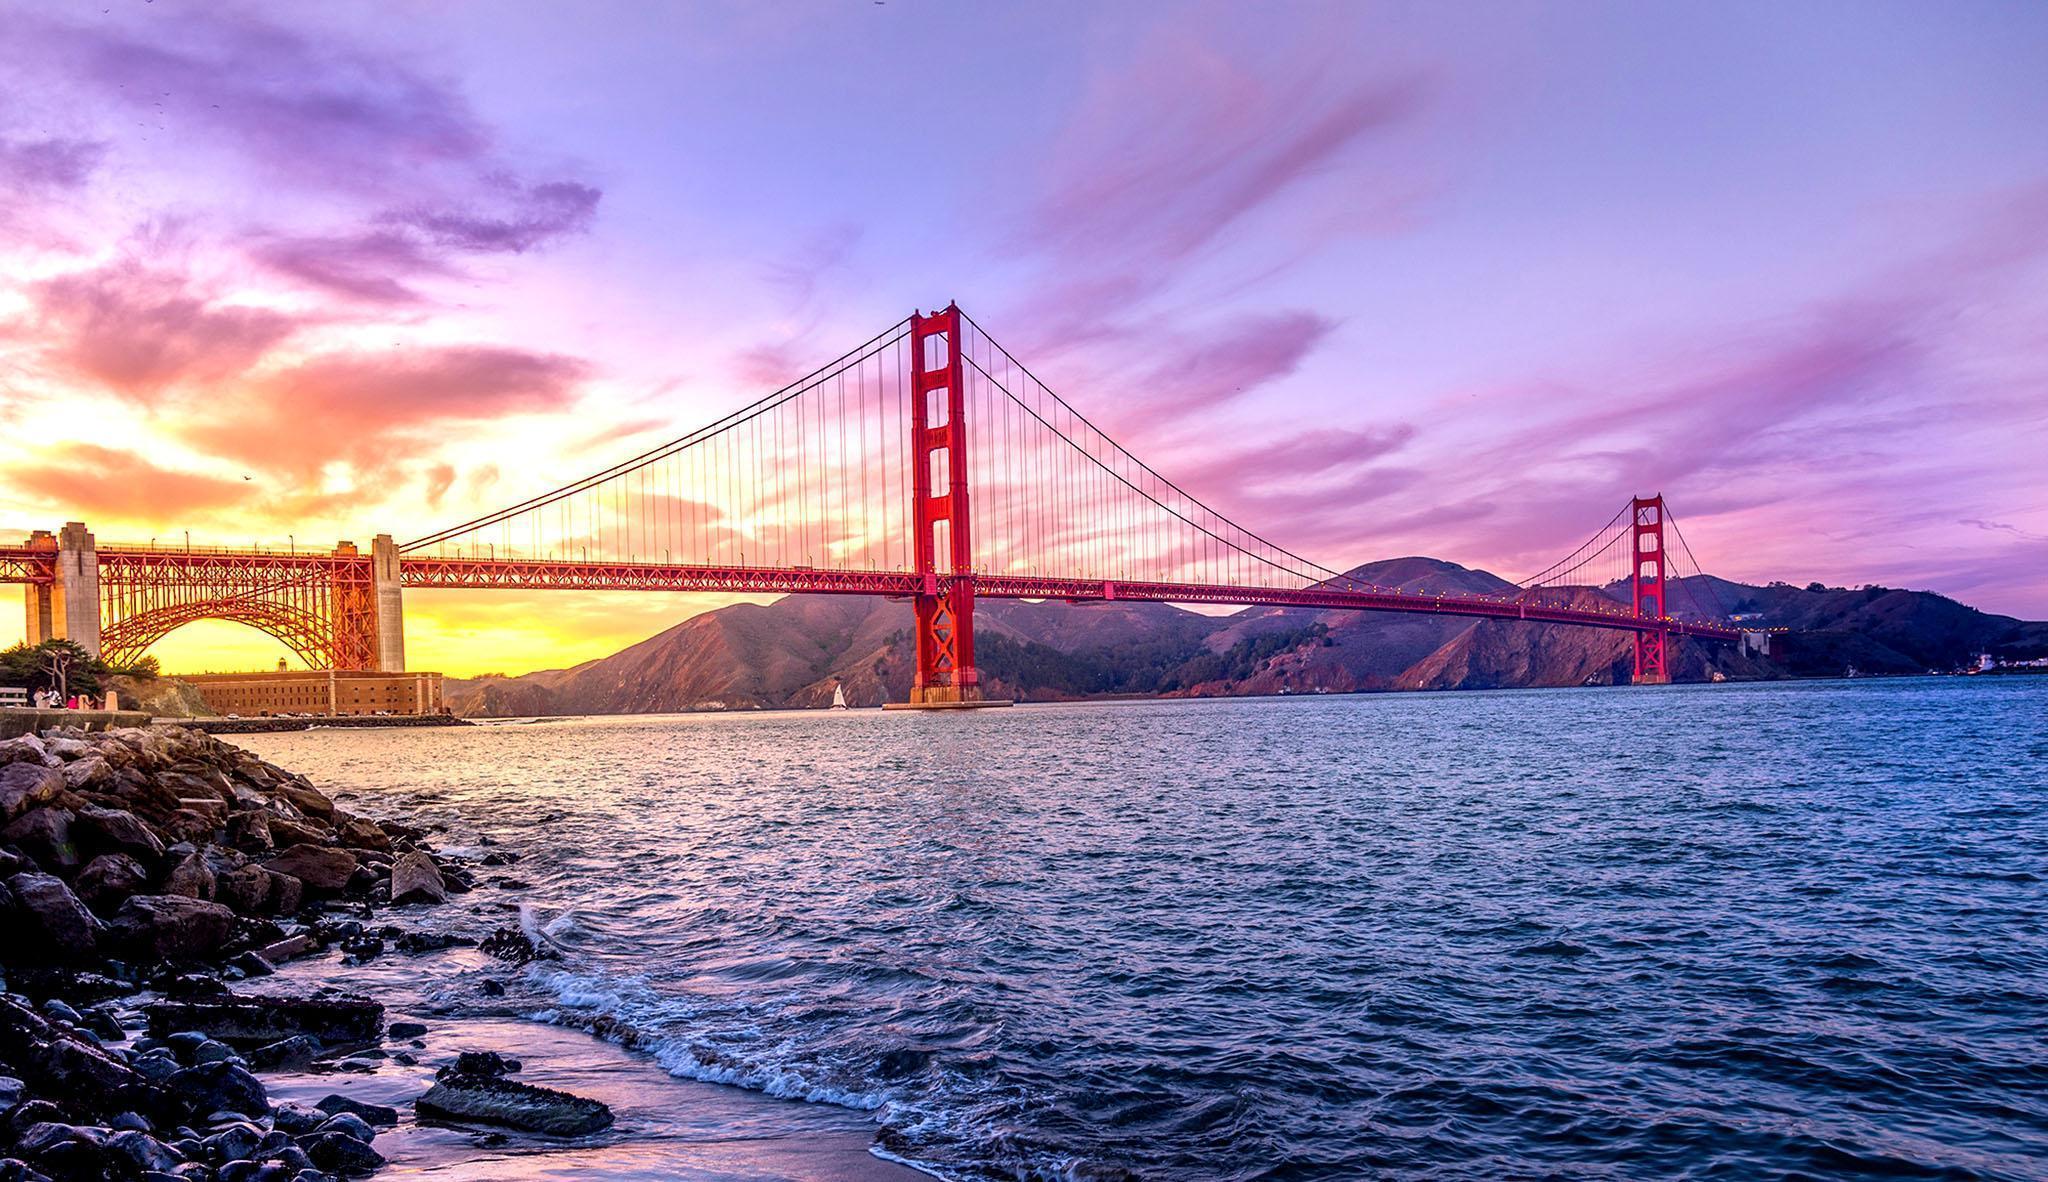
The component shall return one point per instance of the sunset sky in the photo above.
(1373, 279)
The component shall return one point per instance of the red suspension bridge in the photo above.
(927, 464)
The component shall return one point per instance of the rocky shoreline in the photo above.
(145, 873)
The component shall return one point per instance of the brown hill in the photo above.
(795, 651)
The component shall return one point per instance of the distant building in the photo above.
(1984, 662)
(316, 691)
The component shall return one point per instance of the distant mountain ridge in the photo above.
(793, 652)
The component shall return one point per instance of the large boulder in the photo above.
(90, 772)
(338, 1153)
(250, 832)
(220, 1086)
(26, 749)
(45, 835)
(27, 785)
(116, 830)
(57, 1062)
(258, 890)
(306, 798)
(488, 1099)
(318, 868)
(258, 1021)
(191, 877)
(361, 833)
(55, 914)
(172, 927)
(286, 832)
(415, 880)
(109, 879)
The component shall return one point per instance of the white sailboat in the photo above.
(838, 697)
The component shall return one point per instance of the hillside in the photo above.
(794, 651)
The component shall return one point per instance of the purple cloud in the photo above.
(1223, 364)
(47, 165)
(374, 266)
(533, 214)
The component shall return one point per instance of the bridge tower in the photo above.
(1646, 584)
(943, 541)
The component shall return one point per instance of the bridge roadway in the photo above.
(515, 574)
(23, 565)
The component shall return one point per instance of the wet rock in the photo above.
(318, 868)
(54, 915)
(414, 943)
(491, 988)
(483, 1064)
(513, 945)
(44, 834)
(157, 1066)
(211, 1051)
(55, 1062)
(143, 1151)
(361, 833)
(101, 1021)
(109, 879)
(415, 880)
(306, 798)
(172, 927)
(189, 985)
(117, 831)
(289, 948)
(252, 964)
(11, 1091)
(349, 1124)
(255, 1021)
(376, 1114)
(297, 1119)
(406, 1029)
(238, 1140)
(497, 1101)
(210, 1087)
(26, 785)
(342, 1154)
(286, 1054)
(362, 948)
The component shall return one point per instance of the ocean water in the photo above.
(1730, 931)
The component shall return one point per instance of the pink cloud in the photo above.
(374, 409)
(86, 479)
(139, 329)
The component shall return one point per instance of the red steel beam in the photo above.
(19, 564)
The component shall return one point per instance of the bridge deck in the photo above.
(21, 565)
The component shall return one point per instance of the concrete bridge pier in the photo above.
(42, 623)
(390, 605)
(73, 600)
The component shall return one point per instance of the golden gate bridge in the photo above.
(926, 464)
